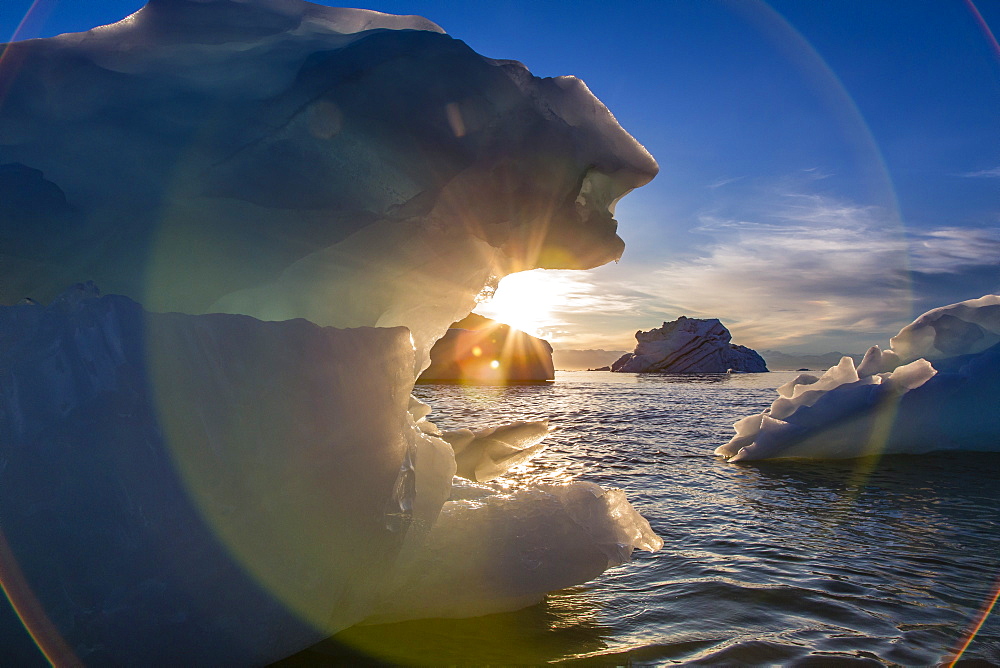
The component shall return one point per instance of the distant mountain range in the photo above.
(576, 360)
(779, 361)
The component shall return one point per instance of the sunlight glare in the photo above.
(526, 301)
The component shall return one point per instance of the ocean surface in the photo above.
(890, 561)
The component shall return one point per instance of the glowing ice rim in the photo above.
(891, 402)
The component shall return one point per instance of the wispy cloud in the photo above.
(993, 173)
(951, 250)
(724, 182)
(815, 270)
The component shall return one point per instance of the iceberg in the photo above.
(937, 388)
(689, 345)
(219, 462)
(479, 350)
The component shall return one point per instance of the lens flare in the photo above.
(476, 350)
(30, 611)
(987, 32)
(983, 615)
(835, 96)
(8, 61)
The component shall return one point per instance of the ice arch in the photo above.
(218, 461)
(282, 159)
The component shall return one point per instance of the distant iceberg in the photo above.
(689, 345)
(219, 462)
(937, 388)
(479, 350)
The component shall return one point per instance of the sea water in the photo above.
(889, 561)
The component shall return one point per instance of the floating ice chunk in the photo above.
(305, 483)
(485, 454)
(240, 465)
(689, 345)
(882, 407)
(494, 550)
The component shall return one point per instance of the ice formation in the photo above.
(689, 345)
(937, 388)
(302, 199)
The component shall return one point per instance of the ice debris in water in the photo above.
(938, 388)
(302, 199)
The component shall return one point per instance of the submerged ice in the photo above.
(937, 388)
(287, 204)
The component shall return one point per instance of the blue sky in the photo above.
(828, 169)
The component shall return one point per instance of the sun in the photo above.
(526, 301)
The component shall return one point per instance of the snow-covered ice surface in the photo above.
(937, 388)
(219, 462)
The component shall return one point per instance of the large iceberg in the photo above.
(936, 388)
(689, 345)
(219, 462)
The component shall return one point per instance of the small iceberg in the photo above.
(937, 388)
